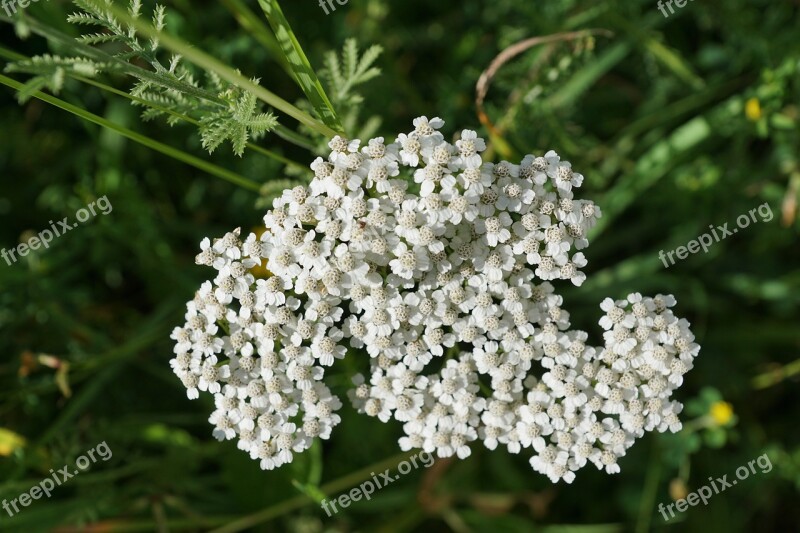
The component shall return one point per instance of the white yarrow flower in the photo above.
(417, 253)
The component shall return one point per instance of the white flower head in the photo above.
(417, 255)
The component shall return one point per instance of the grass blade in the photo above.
(303, 72)
(175, 153)
(9, 54)
(583, 80)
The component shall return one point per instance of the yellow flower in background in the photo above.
(752, 109)
(9, 442)
(721, 412)
(677, 489)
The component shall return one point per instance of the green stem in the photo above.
(116, 64)
(256, 148)
(295, 138)
(297, 502)
(209, 63)
(648, 499)
(696, 424)
(180, 155)
(13, 56)
(773, 377)
(302, 71)
(146, 75)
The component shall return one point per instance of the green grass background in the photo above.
(655, 115)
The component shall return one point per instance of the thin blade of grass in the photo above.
(583, 80)
(252, 146)
(303, 72)
(670, 59)
(175, 153)
(8, 54)
(333, 487)
(139, 73)
(651, 167)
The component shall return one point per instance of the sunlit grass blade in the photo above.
(175, 153)
(651, 167)
(583, 80)
(667, 57)
(303, 72)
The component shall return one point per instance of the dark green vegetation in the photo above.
(676, 123)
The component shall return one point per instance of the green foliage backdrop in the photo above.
(677, 123)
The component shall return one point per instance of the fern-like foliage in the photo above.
(182, 99)
(240, 121)
(95, 13)
(51, 71)
(343, 74)
(222, 111)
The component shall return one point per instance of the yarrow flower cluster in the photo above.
(432, 268)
